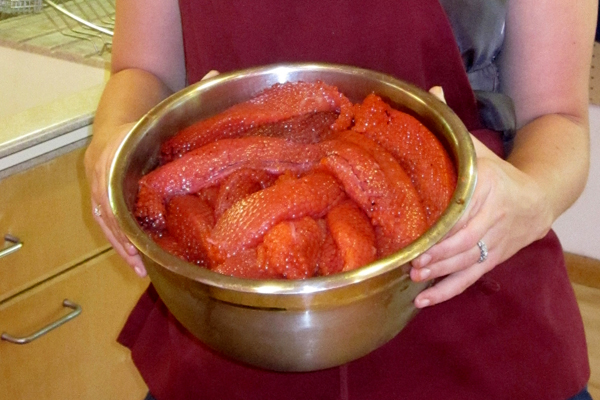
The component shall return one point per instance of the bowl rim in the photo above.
(466, 171)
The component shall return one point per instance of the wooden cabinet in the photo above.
(64, 256)
(48, 209)
(81, 358)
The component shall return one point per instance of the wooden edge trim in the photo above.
(583, 270)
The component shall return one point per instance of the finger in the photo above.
(137, 264)
(133, 260)
(461, 242)
(438, 92)
(457, 242)
(449, 287)
(211, 74)
(123, 247)
(447, 266)
(110, 226)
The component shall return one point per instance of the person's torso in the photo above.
(477, 345)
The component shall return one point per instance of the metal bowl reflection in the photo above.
(286, 325)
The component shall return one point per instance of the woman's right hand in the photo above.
(98, 158)
(147, 65)
(134, 91)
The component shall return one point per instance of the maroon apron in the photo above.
(516, 334)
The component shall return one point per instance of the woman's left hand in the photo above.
(507, 212)
(516, 201)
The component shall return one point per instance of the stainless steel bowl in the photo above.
(284, 325)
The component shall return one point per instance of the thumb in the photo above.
(211, 74)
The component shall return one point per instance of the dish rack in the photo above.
(104, 19)
(20, 6)
(90, 21)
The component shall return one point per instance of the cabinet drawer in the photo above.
(81, 358)
(48, 209)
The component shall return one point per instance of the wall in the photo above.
(579, 228)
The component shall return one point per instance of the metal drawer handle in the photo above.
(16, 245)
(24, 340)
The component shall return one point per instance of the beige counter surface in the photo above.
(52, 72)
(39, 133)
(47, 106)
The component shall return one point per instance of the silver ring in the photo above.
(98, 211)
(483, 251)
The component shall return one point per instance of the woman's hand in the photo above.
(516, 201)
(98, 158)
(135, 91)
(507, 212)
(147, 65)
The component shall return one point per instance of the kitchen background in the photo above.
(53, 65)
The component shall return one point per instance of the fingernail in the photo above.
(424, 260)
(424, 273)
(139, 270)
(421, 303)
(130, 249)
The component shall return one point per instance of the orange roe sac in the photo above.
(295, 183)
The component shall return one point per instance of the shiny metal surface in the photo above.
(279, 324)
(53, 325)
(14, 245)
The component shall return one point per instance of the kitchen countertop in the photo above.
(47, 106)
(52, 73)
(45, 131)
